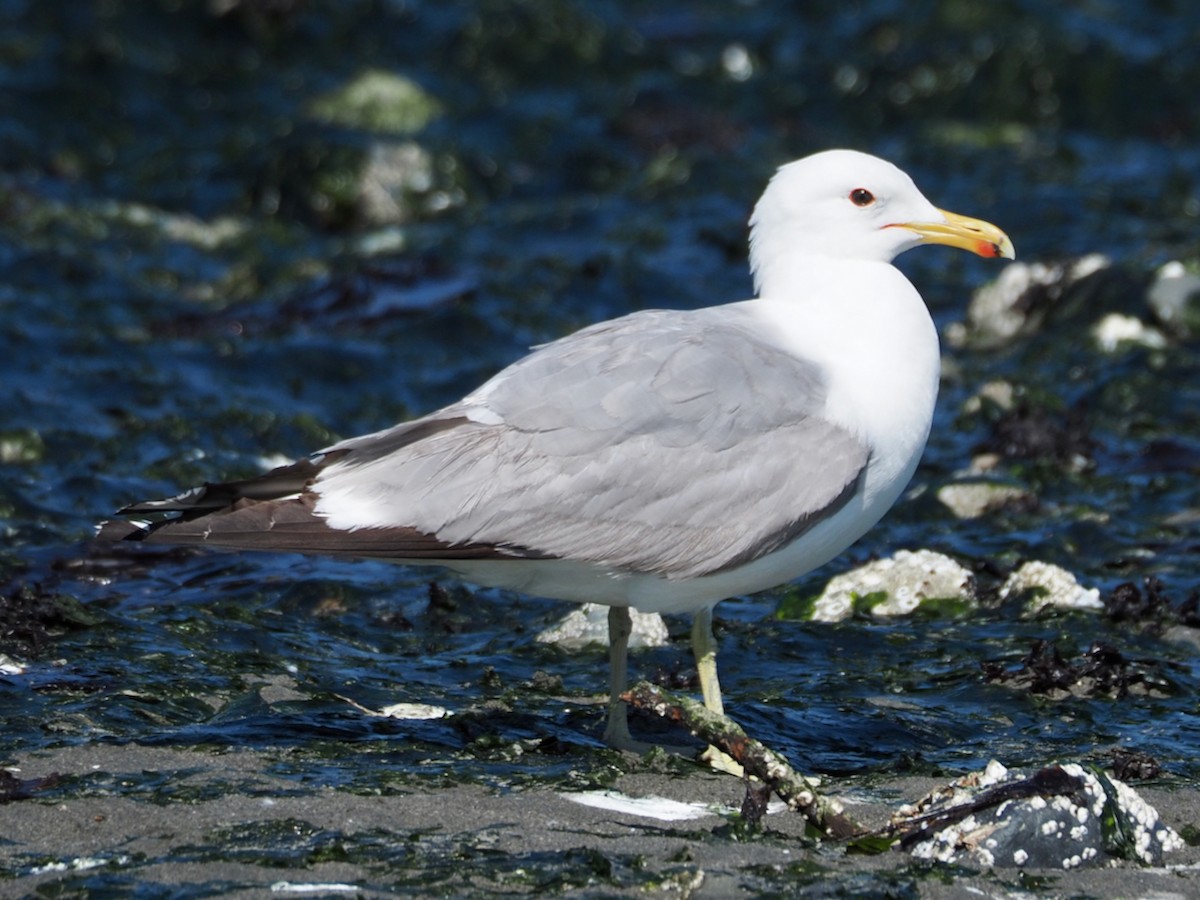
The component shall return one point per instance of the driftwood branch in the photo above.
(1024, 817)
(825, 815)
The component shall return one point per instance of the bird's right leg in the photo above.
(616, 732)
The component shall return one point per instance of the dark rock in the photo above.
(1126, 603)
(31, 616)
(1150, 607)
(1134, 765)
(1102, 671)
(1035, 433)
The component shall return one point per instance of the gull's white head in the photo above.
(844, 204)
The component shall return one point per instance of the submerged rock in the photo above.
(379, 101)
(1060, 817)
(393, 176)
(1116, 330)
(997, 393)
(895, 586)
(973, 499)
(1174, 297)
(588, 624)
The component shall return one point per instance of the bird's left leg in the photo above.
(705, 650)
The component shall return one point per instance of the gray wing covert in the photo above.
(675, 443)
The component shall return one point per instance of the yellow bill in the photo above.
(975, 235)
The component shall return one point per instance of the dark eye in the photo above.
(861, 197)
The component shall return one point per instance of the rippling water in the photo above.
(217, 255)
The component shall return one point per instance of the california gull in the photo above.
(664, 460)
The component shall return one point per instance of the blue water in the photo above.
(192, 289)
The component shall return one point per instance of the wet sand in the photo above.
(220, 823)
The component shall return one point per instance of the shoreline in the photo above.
(223, 821)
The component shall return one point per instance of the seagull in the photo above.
(662, 461)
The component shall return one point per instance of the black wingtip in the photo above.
(116, 530)
(190, 499)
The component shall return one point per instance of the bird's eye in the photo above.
(861, 197)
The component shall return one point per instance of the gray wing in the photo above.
(674, 443)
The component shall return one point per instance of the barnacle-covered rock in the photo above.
(1048, 585)
(896, 586)
(1059, 817)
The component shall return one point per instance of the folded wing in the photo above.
(673, 443)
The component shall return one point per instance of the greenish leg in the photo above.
(705, 650)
